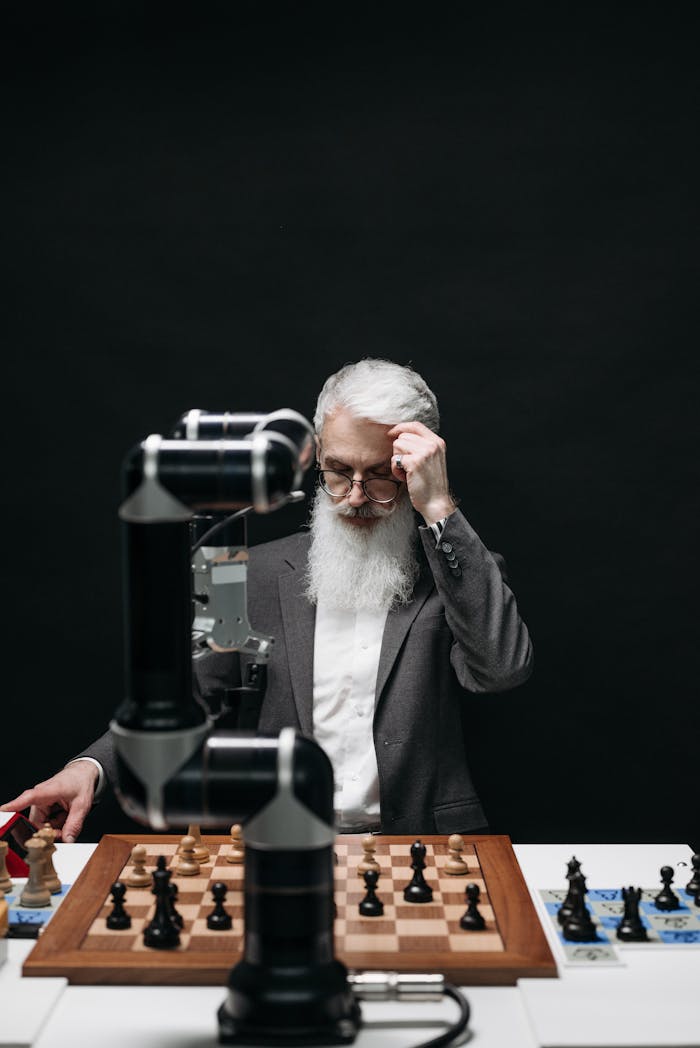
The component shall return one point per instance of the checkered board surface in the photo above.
(680, 928)
(411, 928)
(412, 937)
(194, 902)
(26, 922)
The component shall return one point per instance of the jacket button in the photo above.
(456, 570)
(446, 547)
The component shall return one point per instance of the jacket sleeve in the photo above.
(102, 751)
(492, 650)
(210, 674)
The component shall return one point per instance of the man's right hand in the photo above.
(63, 800)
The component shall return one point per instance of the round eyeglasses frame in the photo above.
(363, 484)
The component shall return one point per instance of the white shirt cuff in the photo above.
(437, 529)
(101, 779)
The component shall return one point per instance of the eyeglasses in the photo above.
(376, 489)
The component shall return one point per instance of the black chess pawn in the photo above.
(472, 920)
(219, 920)
(631, 928)
(667, 899)
(417, 890)
(579, 926)
(161, 933)
(118, 919)
(175, 916)
(371, 906)
(573, 867)
(693, 885)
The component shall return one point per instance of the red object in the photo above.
(16, 830)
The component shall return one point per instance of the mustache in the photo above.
(366, 510)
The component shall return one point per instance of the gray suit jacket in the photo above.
(461, 633)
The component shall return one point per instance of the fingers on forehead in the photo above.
(408, 427)
(406, 439)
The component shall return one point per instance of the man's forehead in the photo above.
(344, 435)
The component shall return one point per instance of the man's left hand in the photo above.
(422, 454)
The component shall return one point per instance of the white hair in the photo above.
(380, 391)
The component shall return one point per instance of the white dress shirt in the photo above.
(346, 659)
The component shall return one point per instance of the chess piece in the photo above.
(35, 893)
(51, 878)
(5, 879)
(417, 890)
(472, 920)
(667, 899)
(161, 933)
(201, 852)
(368, 862)
(139, 876)
(692, 887)
(219, 920)
(186, 864)
(631, 928)
(573, 867)
(579, 926)
(175, 915)
(237, 853)
(371, 906)
(118, 919)
(4, 915)
(455, 865)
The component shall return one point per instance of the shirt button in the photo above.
(355, 778)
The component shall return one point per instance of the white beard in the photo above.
(357, 567)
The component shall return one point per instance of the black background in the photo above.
(217, 206)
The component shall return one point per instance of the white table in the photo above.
(654, 999)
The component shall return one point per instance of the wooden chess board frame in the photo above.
(62, 950)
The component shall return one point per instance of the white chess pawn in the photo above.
(455, 865)
(369, 846)
(237, 853)
(201, 852)
(5, 879)
(35, 892)
(51, 878)
(187, 865)
(139, 876)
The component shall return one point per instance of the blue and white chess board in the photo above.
(26, 922)
(665, 928)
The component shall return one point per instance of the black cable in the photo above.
(294, 496)
(450, 1035)
(217, 527)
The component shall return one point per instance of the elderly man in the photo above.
(385, 612)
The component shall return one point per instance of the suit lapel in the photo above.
(398, 623)
(299, 618)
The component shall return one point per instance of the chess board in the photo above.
(665, 928)
(26, 922)
(409, 937)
